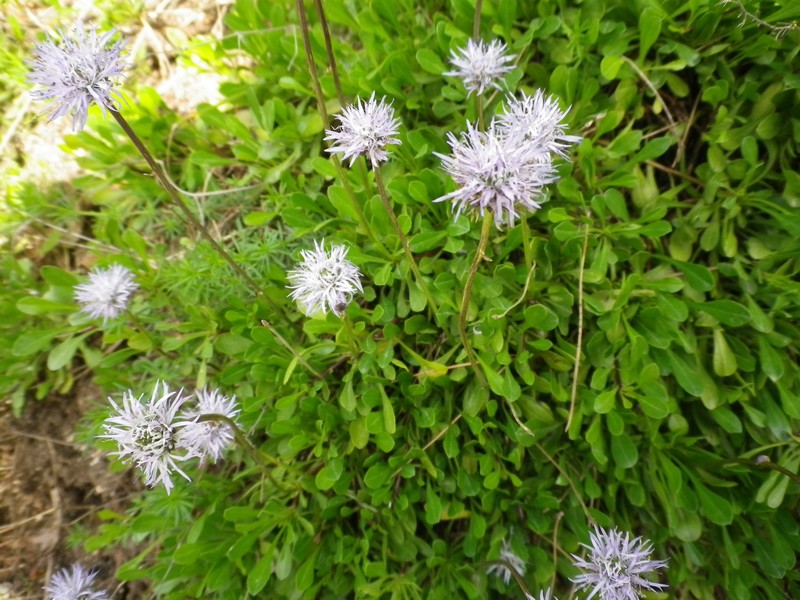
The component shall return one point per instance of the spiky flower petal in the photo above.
(210, 439)
(616, 566)
(496, 170)
(508, 560)
(543, 595)
(73, 583)
(480, 65)
(82, 69)
(365, 128)
(149, 433)
(540, 121)
(324, 280)
(107, 292)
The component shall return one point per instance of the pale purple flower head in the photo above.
(616, 566)
(539, 120)
(365, 128)
(508, 560)
(82, 69)
(149, 434)
(73, 583)
(210, 439)
(324, 280)
(496, 170)
(107, 292)
(480, 65)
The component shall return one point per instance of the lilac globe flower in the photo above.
(509, 560)
(496, 170)
(365, 128)
(210, 439)
(73, 583)
(616, 566)
(149, 434)
(107, 292)
(79, 71)
(480, 65)
(539, 120)
(324, 280)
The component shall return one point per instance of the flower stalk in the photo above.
(480, 254)
(387, 204)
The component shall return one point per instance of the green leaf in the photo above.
(63, 353)
(377, 475)
(624, 452)
(649, 29)
(426, 240)
(33, 305)
(610, 66)
(329, 474)
(604, 402)
(726, 312)
(430, 61)
(697, 276)
(32, 342)
(259, 575)
(724, 359)
(716, 508)
(771, 360)
(389, 424)
(305, 573)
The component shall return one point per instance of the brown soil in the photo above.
(49, 485)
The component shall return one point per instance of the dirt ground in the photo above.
(49, 484)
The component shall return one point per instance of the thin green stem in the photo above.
(265, 461)
(289, 347)
(526, 243)
(141, 328)
(162, 178)
(476, 21)
(323, 109)
(480, 254)
(387, 204)
(351, 335)
(479, 113)
(312, 67)
(329, 49)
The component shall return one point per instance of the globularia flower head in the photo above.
(480, 65)
(149, 434)
(365, 128)
(82, 69)
(539, 120)
(210, 439)
(616, 566)
(107, 292)
(324, 280)
(73, 583)
(496, 170)
(508, 560)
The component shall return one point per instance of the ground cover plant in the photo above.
(436, 300)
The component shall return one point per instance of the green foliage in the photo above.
(666, 259)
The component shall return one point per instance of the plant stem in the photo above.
(351, 335)
(323, 109)
(476, 21)
(312, 67)
(526, 242)
(158, 171)
(486, 228)
(329, 49)
(479, 113)
(387, 204)
(288, 346)
(264, 460)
